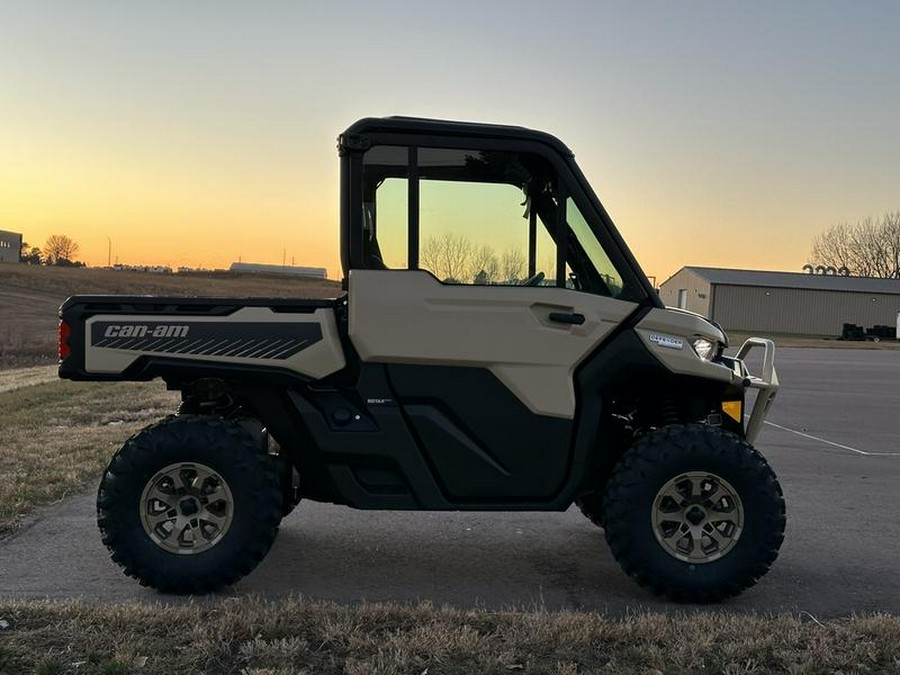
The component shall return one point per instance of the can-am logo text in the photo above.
(143, 330)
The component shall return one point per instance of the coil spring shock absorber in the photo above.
(669, 411)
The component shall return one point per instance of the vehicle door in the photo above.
(482, 287)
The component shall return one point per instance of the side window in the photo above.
(478, 217)
(393, 208)
(386, 207)
(474, 215)
(470, 231)
(477, 212)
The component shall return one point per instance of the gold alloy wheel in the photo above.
(697, 517)
(186, 508)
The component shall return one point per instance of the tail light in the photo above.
(63, 348)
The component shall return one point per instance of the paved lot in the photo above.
(835, 449)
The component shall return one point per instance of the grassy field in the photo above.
(31, 295)
(253, 637)
(58, 436)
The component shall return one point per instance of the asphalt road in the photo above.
(835, 449)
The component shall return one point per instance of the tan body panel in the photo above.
(668, 323)
(410, 317)
(319, 359)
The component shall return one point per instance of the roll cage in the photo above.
(554, 178)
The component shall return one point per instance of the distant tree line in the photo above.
(867, 248)
(58, 250)
(452, 257)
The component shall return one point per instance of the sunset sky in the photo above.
(197, 133)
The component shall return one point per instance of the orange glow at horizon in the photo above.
(194, 134)
(182, 213)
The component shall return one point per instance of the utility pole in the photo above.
(109, 252)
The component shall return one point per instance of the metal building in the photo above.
(10, 246)
(783, 302)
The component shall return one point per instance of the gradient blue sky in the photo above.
(195, 133)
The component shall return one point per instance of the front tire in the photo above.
(694, 513)
(190, 504)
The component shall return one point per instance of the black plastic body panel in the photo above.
(421, 454)
(481, 440)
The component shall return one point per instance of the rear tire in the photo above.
(190, 504)
(694, 513)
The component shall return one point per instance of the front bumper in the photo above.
(766, 382)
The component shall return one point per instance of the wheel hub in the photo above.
(186, 508)
(697, 517)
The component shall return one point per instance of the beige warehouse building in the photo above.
(783, 302)
(10, 246)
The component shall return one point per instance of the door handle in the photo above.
(566, 317)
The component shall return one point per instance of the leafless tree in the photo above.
(452, 257)
(448, 256)
(868, 248)
(484, 265)
(59, 248)
(513, 265)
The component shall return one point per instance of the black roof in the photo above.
(425, 126)
(821, 282)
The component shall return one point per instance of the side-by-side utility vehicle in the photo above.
(498, 348)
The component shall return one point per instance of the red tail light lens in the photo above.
(63, 343)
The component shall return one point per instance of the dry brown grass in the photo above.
(65, 281)
(31, 295)
(58, 437)
(25, 377)
(252, 636)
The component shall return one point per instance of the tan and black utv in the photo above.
(498, 348)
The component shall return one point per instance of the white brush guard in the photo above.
(766, 383)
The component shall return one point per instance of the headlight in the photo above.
(706, 349)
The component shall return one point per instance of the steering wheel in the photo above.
(533, 280)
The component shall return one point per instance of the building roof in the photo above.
(818, 282)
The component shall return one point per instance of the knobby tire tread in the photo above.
(699, 443)
(123, 480)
